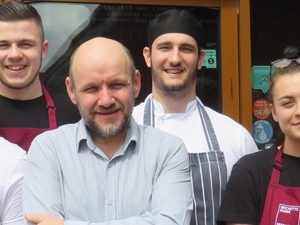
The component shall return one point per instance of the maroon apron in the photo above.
(23, 136)
(282, 205)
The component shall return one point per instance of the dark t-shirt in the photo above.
(34, 113)
(245, 194)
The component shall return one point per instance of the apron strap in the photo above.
(208, 129)
(277, 166)
(149, 113)
(51, 108)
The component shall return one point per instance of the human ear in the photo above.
(70, 89)
(137, 83)
(272, 109)
(201, 59)
(45, 49)
(147, 56)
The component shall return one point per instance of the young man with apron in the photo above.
(27, 109)
(214, 141)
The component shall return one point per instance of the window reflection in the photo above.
(67, 25)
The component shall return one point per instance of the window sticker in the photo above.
(261, 109)
(260, 78)
(263, 131)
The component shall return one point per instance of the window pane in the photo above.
(67, 25)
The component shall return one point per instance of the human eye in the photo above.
(3, 45)
(163, 47)
(26, 45)
(118, 85)
(90, 89)
(287, 103)
(187, 49)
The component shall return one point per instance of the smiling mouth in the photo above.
(174, 71)
(15, 67)
(107, 112)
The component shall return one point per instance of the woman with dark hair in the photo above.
(264, 187)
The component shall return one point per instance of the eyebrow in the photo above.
(285, 97)
(180, 44)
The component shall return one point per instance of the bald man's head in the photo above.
(103, 83)
(101, 51)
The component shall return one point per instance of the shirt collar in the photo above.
(159, 109)
(132, 139)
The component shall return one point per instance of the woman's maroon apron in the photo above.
(282, 205)
(23, 136)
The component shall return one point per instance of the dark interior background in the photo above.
(274, 25)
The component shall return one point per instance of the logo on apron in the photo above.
(286, 214)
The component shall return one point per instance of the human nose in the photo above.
(106, 98)
(175, 57)
(14, 52)
(298, 109)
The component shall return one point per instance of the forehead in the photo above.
(97, 64)
(175, 39)
(20, 29)
(287, 84)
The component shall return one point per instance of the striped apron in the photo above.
(208, 170)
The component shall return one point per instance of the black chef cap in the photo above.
(174, 21)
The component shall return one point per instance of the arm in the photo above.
(249, 143)
(41, 190)
(172, 192)
(239, 204)
(11, 212)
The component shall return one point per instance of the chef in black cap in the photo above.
(214, 141)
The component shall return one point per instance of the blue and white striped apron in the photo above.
(208, 170)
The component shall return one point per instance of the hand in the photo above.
(42, 219)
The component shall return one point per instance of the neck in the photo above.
(175, 102)
(110, 146)
(32, 91)
(292, 147)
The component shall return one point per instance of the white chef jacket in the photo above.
(234, 140)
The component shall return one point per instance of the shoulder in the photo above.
(231, 133)
(153, 133)
(54, 146)
(258, 161)
(58, 134)
(10, 151)
(246, 189)
(11, 157)
(222, 119)
(160, 141)
(53, 140)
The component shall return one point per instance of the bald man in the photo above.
(106, 169)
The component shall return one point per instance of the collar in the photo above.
(159, 109)
(85, 141)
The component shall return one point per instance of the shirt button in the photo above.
(110, 203)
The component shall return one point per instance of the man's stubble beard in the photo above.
(98, 131)
(175, 90)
